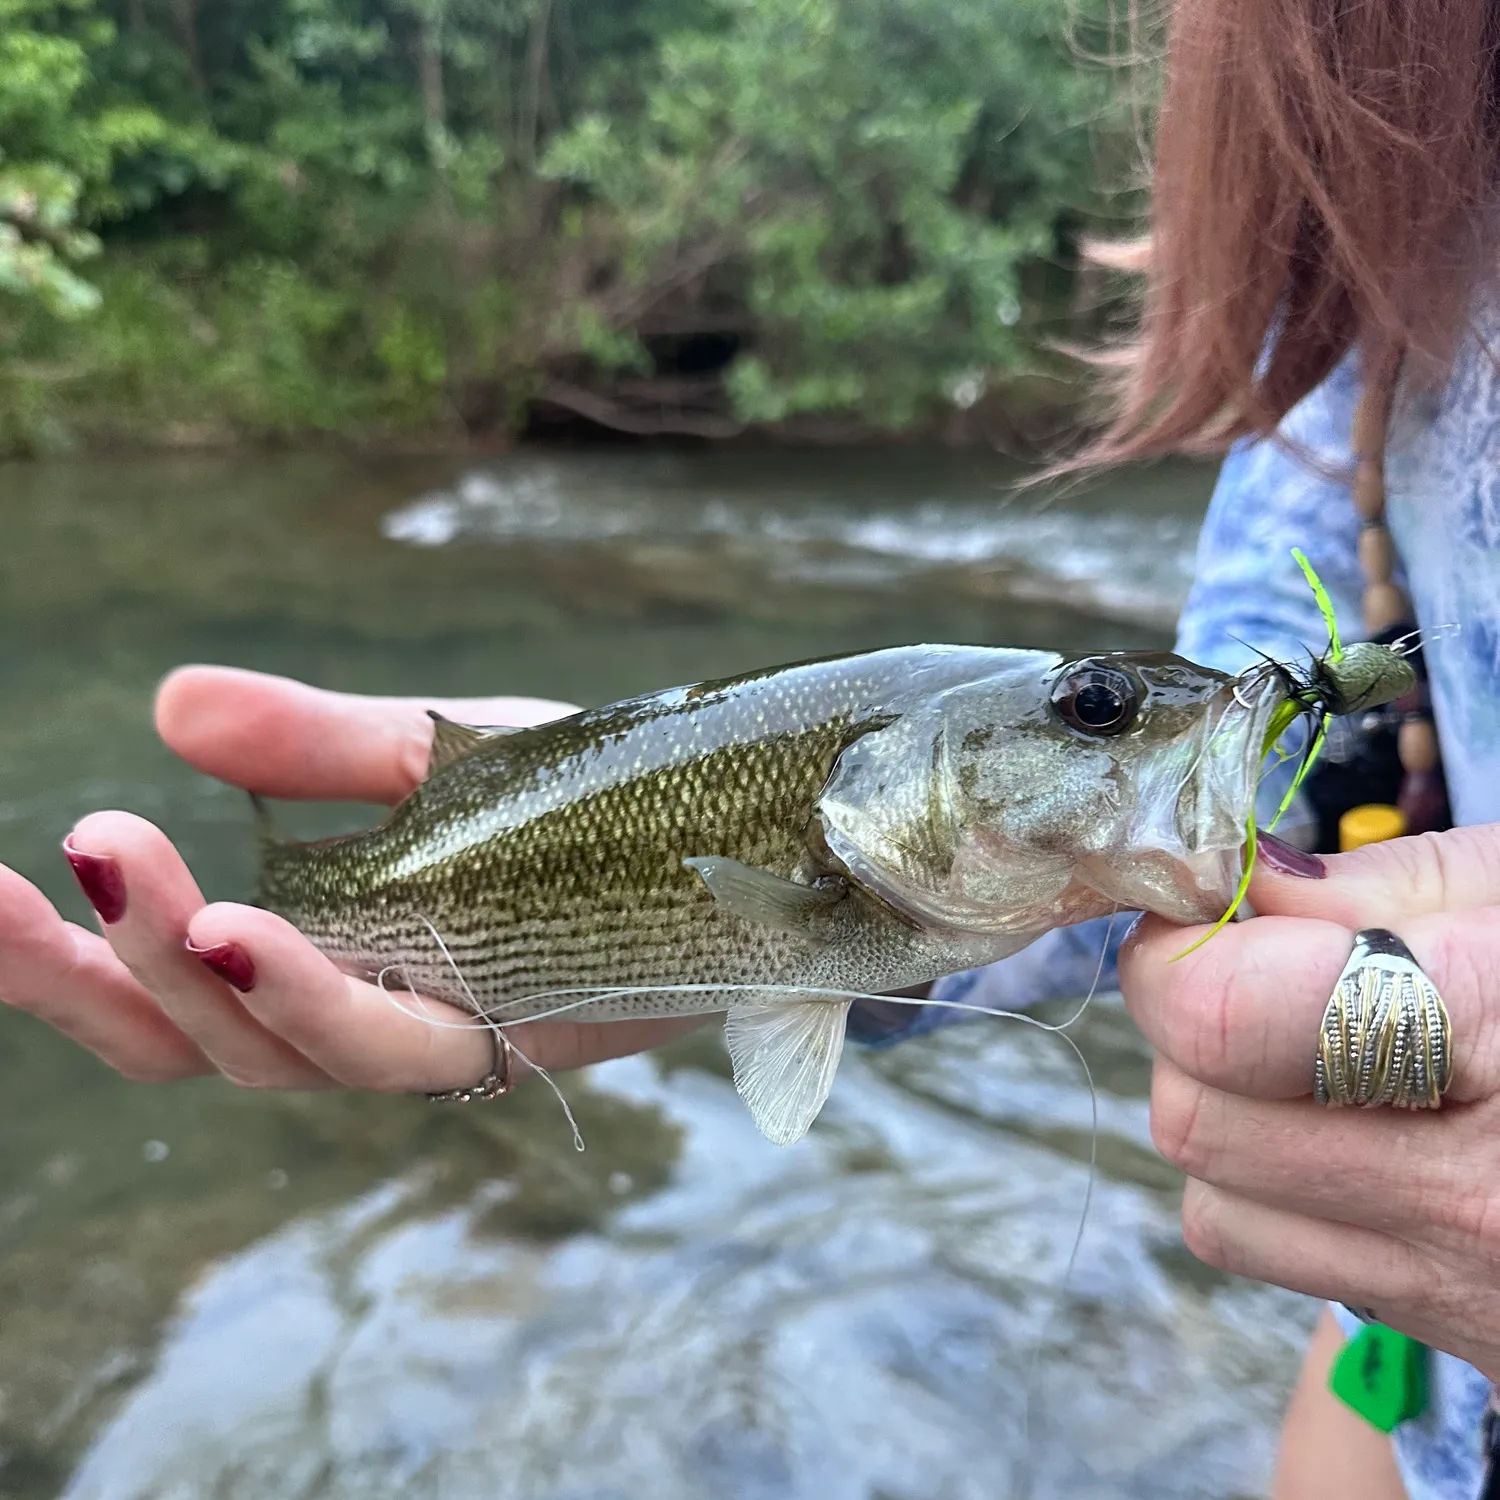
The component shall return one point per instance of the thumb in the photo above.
(1381, 885)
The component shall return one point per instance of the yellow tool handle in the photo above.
(1371, 823)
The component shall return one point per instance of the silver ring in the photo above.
(494, 1085)
(1386, 1037)
(1364, 1314)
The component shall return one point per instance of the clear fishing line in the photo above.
(499, 1032)
(540, 1071)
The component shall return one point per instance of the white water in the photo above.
(906, 520)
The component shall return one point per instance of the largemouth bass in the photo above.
(862, 824)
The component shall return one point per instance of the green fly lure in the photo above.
(1343, 680)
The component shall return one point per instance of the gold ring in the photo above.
(494, 1085)
(1386, 1037)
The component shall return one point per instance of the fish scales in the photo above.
(553, 859)
(596, 893)
(860, 824)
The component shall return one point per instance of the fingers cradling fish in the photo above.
(861, 824)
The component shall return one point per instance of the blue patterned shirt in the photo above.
(1443, 508)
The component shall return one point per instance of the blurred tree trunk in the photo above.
(430, 77)
(185, 12)
(536, 77)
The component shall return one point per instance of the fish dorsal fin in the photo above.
(756, 895)
(785, 1054)
(266, 832)
(452, 741)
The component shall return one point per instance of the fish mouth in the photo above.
(1194, 807)
(1218, 806)
(1256, 698)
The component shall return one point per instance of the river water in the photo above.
(206, 1293)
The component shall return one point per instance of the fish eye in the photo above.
(1097, 700)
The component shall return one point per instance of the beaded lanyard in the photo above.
(1388, 612)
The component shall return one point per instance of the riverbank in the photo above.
(136, 390)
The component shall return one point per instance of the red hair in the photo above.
(1324, 174)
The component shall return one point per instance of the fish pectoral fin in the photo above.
(785, 1056)
(756, 895)
(452, 741)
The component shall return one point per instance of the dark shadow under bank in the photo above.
(1028, 420)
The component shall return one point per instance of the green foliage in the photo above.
(874, 174)
(48, 154)
(77, 151)
(364, 216)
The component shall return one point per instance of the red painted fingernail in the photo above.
(1285, 860)
(102, 883)
(230, 962)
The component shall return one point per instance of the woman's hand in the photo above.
(1379, 1208)
(176, 988)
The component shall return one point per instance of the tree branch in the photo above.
(618, 418)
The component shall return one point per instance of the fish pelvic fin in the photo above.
(785, 1056)
(756, 895)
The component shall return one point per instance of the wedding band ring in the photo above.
(494, 1085)
(1386, 1037)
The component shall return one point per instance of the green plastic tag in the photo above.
(1381, 1375)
